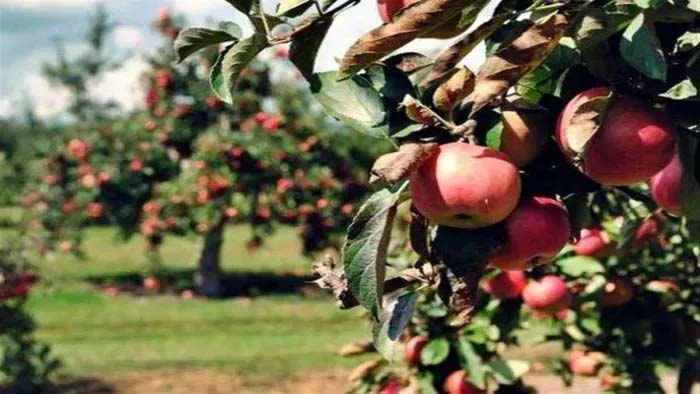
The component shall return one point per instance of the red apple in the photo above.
(151, 284)
(135, 165)
(536, 231)
(647, 231)
(388, 8)
(456, 383)
(594, 242)
(607, 381)
(391, 387)
(78, 148)
(466, 186)
(549, 294)
(95, 210)
(506, 285)
(585, 363)
(413, 349)
(634, 142)
(617, 292)
(666, 187)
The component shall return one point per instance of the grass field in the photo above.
(283, 333)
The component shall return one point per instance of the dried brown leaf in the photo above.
(418, 233)
(415, 21)
(454, 90)
(356, 348)
(365, 369)
(513, 61)
(396, 166)
(450, 57)
(585, 123)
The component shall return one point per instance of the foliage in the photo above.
(26, 365)
(539, 56)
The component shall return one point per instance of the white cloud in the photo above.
(6, 107)
(121, 86)
(46, 4)
(48, 101)
(127, 37)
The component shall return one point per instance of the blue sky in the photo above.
(29, 30)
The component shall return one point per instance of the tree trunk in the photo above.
(208, 275)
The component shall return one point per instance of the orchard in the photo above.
(556, 186)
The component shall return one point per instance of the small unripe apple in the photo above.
(633, 143)
(413, 349)
(549, 294)
(594, 242)
(506, 285)
(466, 186)
(536, 231)
(617, 292)
(524, 135)
(666, 187)
(456, 383)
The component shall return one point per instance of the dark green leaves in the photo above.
(305, 46)
(231, 61)
(435, 352)
(472, 362)
(353, 101)
(641, 49)
(391, 322)
(243, 6)
(191, 40)
(365, 249)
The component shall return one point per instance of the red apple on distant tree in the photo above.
(506, 285)
(151, 284)
(633, 143)
(413, 349)
(549, 294)
(456, 383)
(594, 242)
(585, 363)
(536, 231)
(666, 187)
(647, 231)
(391, 387)
(466, 186)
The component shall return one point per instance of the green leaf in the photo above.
(577, 266)
(191, 40)
(508, 372)
(392, 320)
(305, 46)
(243, 6)
(353, 101)
(365, 249)
(688, 41)
(231, 61)
(470, 13)
(493, 136)
(470, 361)
(292, 8)
(682, 90)
(641, 49)
(690, 4)
(689, 153)
(231, 28)
(390, 82)
(648, 3)
(435, 352)
(425, 382)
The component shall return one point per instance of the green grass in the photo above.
(277, 334)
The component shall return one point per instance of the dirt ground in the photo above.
(212, 382)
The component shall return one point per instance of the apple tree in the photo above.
(562, 175)
(187, 164)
